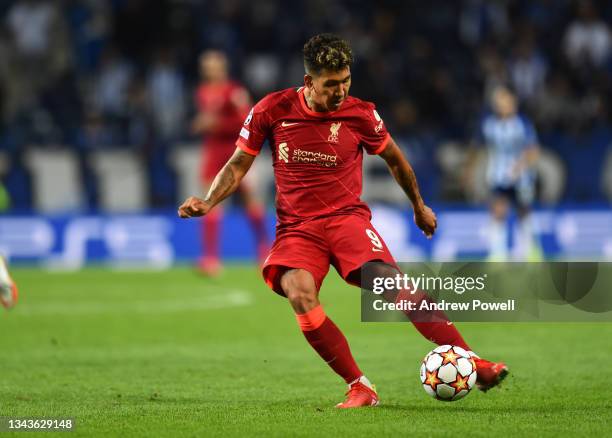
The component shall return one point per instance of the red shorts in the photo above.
(345, 241)
(214, 158)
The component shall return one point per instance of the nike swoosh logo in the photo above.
(285, 124)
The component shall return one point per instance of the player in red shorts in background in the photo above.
(222, 105)
(318, 134)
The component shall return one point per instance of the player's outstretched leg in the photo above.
(8, 288)
(435, 325)
(326, 338)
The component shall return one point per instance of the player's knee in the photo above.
(371, 274)
(300, 289)
(384, 270)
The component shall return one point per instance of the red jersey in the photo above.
(229, 102)
(317, 156)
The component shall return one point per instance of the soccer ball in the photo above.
(448, 373)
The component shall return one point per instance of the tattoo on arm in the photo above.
(403, 173)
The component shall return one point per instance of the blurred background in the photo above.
(97, 96)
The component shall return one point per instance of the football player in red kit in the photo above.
(318, 134)
(222, 105)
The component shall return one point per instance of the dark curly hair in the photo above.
(326, 51)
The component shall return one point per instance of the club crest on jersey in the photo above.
(333, 132)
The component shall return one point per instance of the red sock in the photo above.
(256, 216)
(435, 325)
(329, 342)
(210, 234)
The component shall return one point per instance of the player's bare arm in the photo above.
(403, 173)
(527, 160)
(225, 183)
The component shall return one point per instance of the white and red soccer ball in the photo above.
(448, 373)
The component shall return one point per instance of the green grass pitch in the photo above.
(174, 354)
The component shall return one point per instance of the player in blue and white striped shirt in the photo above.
(513, 151)
(8, 288)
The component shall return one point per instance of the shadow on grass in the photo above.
(445, 407)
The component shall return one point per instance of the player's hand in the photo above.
(426, 220)
(193, 207)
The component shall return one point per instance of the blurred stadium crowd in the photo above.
(85, 78)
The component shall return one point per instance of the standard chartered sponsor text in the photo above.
(319, 158)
